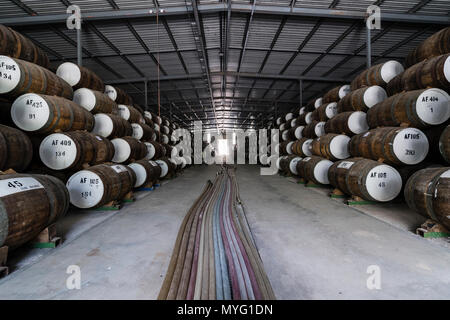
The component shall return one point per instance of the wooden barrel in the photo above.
(5, 112)
(16, 150)
(435, 45)
(138, 108)
(348, 123)
(118, 95)
(142, 132)
(16, 45)
(378, 75)
(111, 126)
(149, 122)
(72, 150)
(428, 193)
(282, 126)
(167, 130)
(167, 167)
(285, 135)
(296, 133)
(301, 111)
(302, 147)
(314, 129)
(128, 149)
(279, 121)
(99, 185)
(80, 77)
(418, 108)
(331, 146)
(29, 204)
(432, 73)
(130, 114)
(94, 101)
(394, 145)
(395, 85)
(278, 162)
(164, 139)
(157, 119)
(444, 144)
(362, 99)
(20, 77)
(367, 179)
(154, 150)
(325, 112)
(40, 113)
(288, 165)
(318, 102)
(146, 172)
(314, 169)
(336, 94)
(283, 148)
(304, 119)
(289, 116)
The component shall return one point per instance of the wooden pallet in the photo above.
(48, 238)
(311, 184)
(148, 187)
(129, 197)
(111, 206)
(337, 194)
(4, 270)
(355, 200)
(432, 229)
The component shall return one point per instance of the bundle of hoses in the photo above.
(215, 256)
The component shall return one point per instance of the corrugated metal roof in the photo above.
(272, 47)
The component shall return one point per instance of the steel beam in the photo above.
(231, 74)
(110, 15)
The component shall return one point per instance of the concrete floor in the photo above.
(312, 247)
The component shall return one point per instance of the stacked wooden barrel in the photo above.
(16, 45)
(100, 185)
(111, 126)
(72, 150)
(367, 179)
(336, 94)
(444, 144)
(435, 45)
(147, 172)
(362, 99)
(128, 149)
(80, 77)
(20, 77)
(130, 114)
(314, 169)
(428, 193)
(94, 101)
(378, 75)
(432, 73)
(349, 123)
(16, 150)
(118, 95)
(418, 108)
(331, 146)
(42, 114)
(302, 147)
(29, 204)
(392, 145)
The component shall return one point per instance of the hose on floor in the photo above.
(215, 255)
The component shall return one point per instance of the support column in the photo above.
(146, 94)
(79, 47)
(369, 48)
(301, 92)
